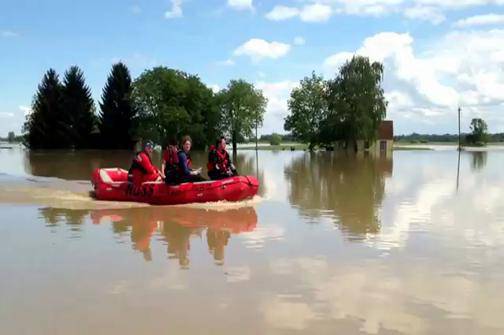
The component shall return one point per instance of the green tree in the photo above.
(44, 126)
(276, 139)
(172, 103)
(356, 102)
(479, 132)
(78, 107)
(308, 110)
(242, 107)
(117, 116)
(11, 137)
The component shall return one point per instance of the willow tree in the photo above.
(356, 102)
(242, 108)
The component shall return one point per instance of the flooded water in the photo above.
(409, 244)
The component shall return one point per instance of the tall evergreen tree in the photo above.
(78, 107)
(44, 126)
(117, 112)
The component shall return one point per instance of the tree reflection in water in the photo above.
(479, 160)
(56, 216)
(347, 188)
(173, 225)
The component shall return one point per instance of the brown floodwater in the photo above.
(333, 243)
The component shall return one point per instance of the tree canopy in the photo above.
(347, 108)
(479, 132)
(308, 110)
(78, 109)
(356, 101)
(45, 126)
(117, 116)
(171, 103)
(242, 108)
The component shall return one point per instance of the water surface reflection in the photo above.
(348, 189)
(172, 226)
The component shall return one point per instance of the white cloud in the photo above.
(334, 62)
(26, 110)
(6, 115)
(175, 11)
(299, 40)
(241, 4)
(8, 33)
(258, 49)
(215, 88)
(459, 4)
(432, 11)
(480, 20)
(279, 13)
(425, 13)
(227, 62)
(464, 68)
(315, 12)
(367, 7)
(277, 94)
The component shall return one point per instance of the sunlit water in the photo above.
(410, 244)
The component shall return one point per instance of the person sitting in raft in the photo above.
(170, 162)
(142, 169)
(186, 172)
(219, 165)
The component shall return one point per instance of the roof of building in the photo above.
(386, 130)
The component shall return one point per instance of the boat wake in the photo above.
(71, 194)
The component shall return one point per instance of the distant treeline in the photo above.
(160, 105)
(283, 137)
(425, 138)
(12, 138)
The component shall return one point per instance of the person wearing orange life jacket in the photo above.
(170, 162)
(219, 164)
(142, 170)
(185, 170)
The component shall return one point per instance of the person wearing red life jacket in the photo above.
(219, 164)
(170, 162)
(185, 171)
(142, 169)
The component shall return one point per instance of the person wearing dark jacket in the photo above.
(185, 171)
(170, 162)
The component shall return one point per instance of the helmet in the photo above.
(148, 144)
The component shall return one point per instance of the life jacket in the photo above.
(135, 165)
(218, 157)
(138, 172)
(170, 156)
(180, 171)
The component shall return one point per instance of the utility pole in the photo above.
(459, 146)
(257, 121)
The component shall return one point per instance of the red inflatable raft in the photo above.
(112, 184)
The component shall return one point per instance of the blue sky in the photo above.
(437, 54)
